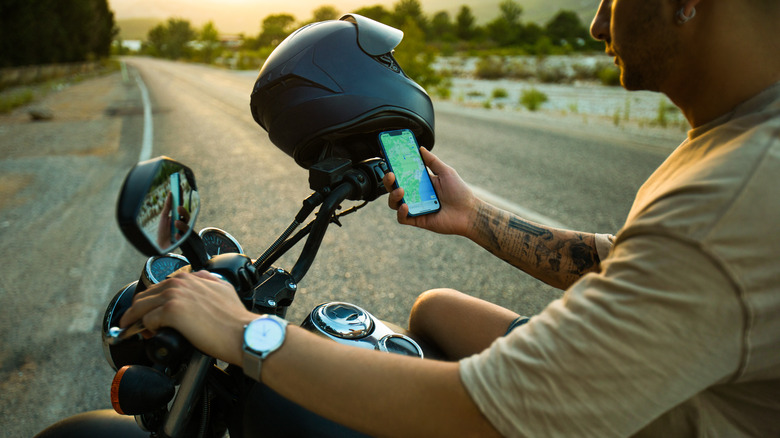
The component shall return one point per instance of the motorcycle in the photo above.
(341, 78)
(173, 390)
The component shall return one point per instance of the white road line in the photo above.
(516, 209)
(146, 145)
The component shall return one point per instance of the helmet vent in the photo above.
(388, 61)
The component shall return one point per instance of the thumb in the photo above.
(433, 162)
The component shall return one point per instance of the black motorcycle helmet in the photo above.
(331, 87)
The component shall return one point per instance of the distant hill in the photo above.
(241, 17)
(136, 28)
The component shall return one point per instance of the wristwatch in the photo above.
(262, 337)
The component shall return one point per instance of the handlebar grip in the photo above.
(168, 347)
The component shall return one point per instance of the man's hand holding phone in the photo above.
(458, 203)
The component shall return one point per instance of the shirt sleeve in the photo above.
(659, 324)
(604, 244)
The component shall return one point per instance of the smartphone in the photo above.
(403, 157)
(176, 198)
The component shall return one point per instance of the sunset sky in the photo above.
(245, 16)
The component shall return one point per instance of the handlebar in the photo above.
(334, 181)
(261, 288)
(329, 206)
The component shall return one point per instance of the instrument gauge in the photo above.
(219, 242)
(157, 268)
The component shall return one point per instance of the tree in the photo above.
(170, 40)
(566, 28)
(464, 24)
(209, 40)
(276, 27)
(51, 31)
(530, 34)
(511, 11)
(415, 56)
(377, 13)
(406, 10)
(442, 27)
(505, 29)
(324, 13)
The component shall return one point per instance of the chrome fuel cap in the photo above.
(342, 320)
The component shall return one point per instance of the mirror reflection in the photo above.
(169, 207)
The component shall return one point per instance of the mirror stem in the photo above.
(195, 251)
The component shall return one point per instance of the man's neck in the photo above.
(725, 68)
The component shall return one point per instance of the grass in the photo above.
(14, 99)
(20, 94)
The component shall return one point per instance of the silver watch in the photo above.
(262, 337)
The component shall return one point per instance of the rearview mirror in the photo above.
(158, 205)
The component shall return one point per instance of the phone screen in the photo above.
(176, 195)
(403, 156)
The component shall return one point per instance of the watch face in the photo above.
(263, 334)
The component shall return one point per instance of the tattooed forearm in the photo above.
(557, 257)
(485, 226)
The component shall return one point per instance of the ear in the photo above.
(688, 6)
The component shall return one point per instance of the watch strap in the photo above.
(252, 364)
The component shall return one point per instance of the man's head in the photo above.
(643, 37)
(706, 55)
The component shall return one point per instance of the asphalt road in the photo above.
(64, 257)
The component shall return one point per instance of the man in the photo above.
(675, 332)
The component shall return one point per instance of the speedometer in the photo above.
(157, 268)
(219, 242)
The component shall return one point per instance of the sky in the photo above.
(245, 16)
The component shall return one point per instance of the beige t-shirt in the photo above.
(679, 335)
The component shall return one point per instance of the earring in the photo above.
(682, 18)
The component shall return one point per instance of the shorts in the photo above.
(520, 320)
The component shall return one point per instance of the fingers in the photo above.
(167, 205)
(388, 180)
(150, 304)
(403, 215)
(184, 214)
(143, 303)
(395, 199)
(206, 275)
(396, 194)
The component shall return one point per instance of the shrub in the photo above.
(551, 75)
(532, 99)
(443, 91)
(518, 70)
(584, 72)
(500, 93)
(609, 75)
(490, 67)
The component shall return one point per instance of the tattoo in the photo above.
(483, 226)
(557, 257)
(519, 224)
(529, 228)
(583, 256)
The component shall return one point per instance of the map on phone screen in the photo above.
(404, 157)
